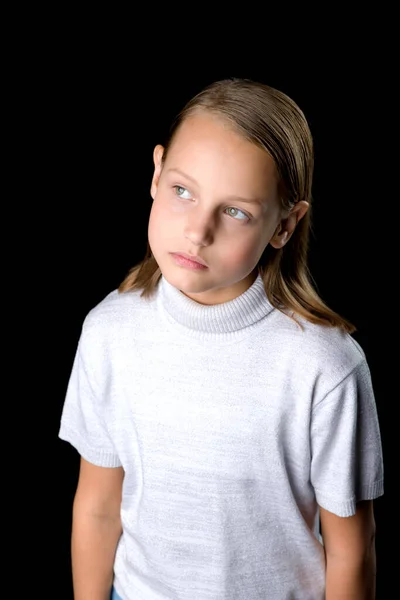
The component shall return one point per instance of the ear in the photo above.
(288, 224)
(157, 158)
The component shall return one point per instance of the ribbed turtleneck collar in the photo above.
(233, 316)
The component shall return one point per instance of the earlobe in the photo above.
(157, 158)
(279, 238)
(284, 237)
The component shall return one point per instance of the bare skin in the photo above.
(96, 529)
(350, 554)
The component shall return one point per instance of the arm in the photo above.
(350, 553)
(96, 528)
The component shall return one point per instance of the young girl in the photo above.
(224, 415)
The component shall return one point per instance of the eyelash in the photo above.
(176, 187)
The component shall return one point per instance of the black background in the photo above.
(101, 104)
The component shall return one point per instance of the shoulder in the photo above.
(116, 313)
(317, 353)
(332, 346)
(117, 307)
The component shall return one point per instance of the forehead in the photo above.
(206, 142)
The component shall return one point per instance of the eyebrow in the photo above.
(235, 198)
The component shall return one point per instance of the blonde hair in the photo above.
(273, 121)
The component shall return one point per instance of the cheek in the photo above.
(166, 213)
(246, 250)
(158, 230)
(153, 224)
(159, 209)
(242, 252)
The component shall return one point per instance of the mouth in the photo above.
(191, 262)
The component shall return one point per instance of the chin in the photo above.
(188, 287)
(186, 281)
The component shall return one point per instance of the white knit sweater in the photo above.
(232, 424)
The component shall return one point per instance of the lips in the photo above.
(191, 257)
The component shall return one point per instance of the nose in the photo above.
(199, 228)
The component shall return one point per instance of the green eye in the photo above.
(231, 208)
(180, 191)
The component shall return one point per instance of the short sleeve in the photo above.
(84, 415)
(346, 451)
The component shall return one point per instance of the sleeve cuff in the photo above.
(95, 456)
(347, 508)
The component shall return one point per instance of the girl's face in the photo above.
(215, 197)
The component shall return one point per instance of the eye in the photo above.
(180, 191)
(231, 208)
